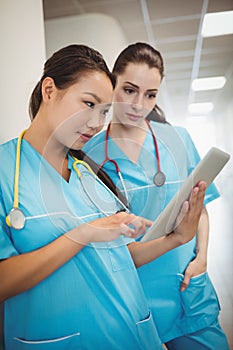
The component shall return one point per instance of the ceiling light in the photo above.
(217, 23)
(211, 83)
(200, 108)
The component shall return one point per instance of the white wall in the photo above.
(21, 61)
(99, 31)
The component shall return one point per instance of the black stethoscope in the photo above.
(159, 177)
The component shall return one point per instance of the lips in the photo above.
(85, 137)
(134, 117)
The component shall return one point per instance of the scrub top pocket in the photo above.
(71, 342)
(146, 331)
(199, 301)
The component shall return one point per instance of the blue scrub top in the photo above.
(175, 313)
(95, 300)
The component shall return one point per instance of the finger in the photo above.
(147, 222)
(184, 284)
(202, 185)
(198, 191)
(126, 218)
(139, 226)
(127, 231)
(197, 199)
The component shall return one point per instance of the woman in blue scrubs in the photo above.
(67, 270)
(180, 294)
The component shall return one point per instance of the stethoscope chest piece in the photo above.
(159, 178)
(16, 219)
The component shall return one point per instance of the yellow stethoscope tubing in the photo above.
(82, 162)
(16, 185)
(16, 218)
(87, 166)
(17, 171)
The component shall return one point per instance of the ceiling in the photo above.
(173, 27)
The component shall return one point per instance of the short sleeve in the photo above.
(7, 248)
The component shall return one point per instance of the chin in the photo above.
(77, 145)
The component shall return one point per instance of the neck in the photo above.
(129, 138)
(126, 132)
(44, 143)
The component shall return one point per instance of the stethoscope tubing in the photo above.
(78, 172)
(155, 145)
(159, 178)
(16, 217)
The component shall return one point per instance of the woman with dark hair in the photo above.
(152, 160)
(68, 279)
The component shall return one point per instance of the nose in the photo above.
(93, 123)
(96, 121)
(137, 103)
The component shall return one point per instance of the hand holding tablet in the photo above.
(207, 169)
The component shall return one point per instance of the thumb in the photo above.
(183, 211)
(184, 284)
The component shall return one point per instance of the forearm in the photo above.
(203, 236)
(22, 272)
(144, 252)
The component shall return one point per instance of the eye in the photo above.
(90, 104)
(151, 95)
(129, 91)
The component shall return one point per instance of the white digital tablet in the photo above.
(207, 169)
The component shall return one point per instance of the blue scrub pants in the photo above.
(209, 338)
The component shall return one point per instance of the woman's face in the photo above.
(78, 112)
(135, 93)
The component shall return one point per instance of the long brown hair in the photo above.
(138, 53)
(142, 53)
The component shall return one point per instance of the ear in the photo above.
(47, 89)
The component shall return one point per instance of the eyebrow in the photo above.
(137, 87)
(94, 95)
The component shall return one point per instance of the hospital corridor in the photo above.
(189, 89)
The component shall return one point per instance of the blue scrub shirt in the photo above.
(95, 300)
(175, 313)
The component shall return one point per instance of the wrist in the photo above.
(174, 239)
(202, 258)
(80, 235)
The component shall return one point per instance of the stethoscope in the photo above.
(159, 177)
(80, 175)
(16, 218)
